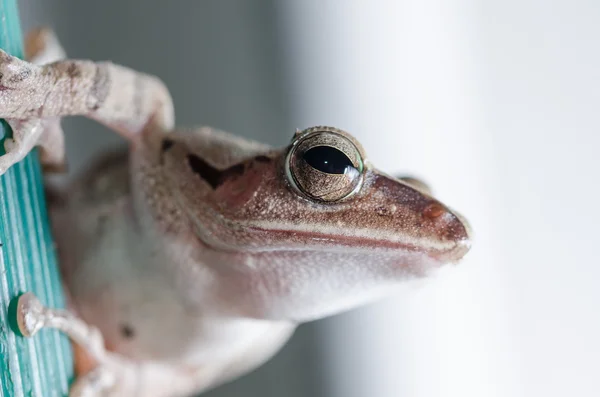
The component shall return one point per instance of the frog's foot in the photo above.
(42, 47)
(27, 134)
(101, 381)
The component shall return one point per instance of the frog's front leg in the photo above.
(122, 99)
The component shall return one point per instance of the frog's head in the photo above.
(311, 229)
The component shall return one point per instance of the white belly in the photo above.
(121, 280)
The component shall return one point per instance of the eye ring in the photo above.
(325, 164)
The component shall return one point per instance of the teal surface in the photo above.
(38, 366)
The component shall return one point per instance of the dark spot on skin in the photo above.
(235, 170)
(100, 88)
(262, 159)
(3, 87)
(127, 331)
(73, 71)
(166, 145)
(207, 172)
(19, 77)
(210, 174)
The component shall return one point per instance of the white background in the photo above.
(496, 104)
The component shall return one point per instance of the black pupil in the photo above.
(327, 159)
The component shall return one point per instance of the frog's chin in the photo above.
(360, 278)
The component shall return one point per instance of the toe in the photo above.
(30, 314)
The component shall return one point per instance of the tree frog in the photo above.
(190, 258)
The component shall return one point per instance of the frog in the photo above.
(190, 258)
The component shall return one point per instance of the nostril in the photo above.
(434, 210)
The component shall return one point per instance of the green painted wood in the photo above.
(39, 366)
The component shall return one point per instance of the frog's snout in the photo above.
(449, 228)
(468, 232)
(452, 227)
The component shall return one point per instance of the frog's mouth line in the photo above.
(296, 240)
(273, 238)
(450, 252)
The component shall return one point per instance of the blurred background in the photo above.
(492, 103)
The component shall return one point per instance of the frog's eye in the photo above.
(325, 166)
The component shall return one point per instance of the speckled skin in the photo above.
(194, 253)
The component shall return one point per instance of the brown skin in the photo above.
(250, 210)
(255, 191)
